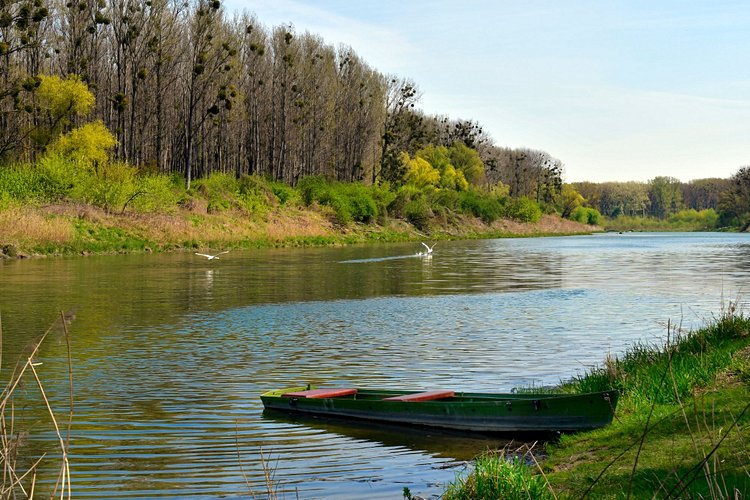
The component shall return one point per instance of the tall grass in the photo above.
(500, 476)
(693, 359)
(19, 471)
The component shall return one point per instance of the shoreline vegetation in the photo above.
(681, 429)
(144, 214)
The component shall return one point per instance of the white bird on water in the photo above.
(211, 257)
(428, 253)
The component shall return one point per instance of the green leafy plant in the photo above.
(524, 209)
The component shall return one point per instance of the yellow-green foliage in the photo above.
(468, 161)
(88, 144)
(439, 157)
(110, 188)
(453, 179)
(569, 200)
(419, 172)
(64, 98)
(156, 193)
(705, 219)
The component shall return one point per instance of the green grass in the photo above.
(682, 425)
(497, 476)
(92, 238)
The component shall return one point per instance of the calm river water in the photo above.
(170, 352)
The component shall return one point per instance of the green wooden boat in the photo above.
(481, 412)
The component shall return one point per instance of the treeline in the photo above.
(720, 202)
(187, 89)
(179, 88)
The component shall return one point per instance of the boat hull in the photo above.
(502, 413)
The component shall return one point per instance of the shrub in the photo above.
(20, 183)
(444, 199)
(313, 189)
(524, 210)
(693, 219)
(586, 215)
(87, 145)
(58, 176)
(486, 207)
(283, 192)
(219, 189)
(350, 202)
(417, 212)
(156, 193)
(110, 189)
(361, 203)
(383, 196)
(255, 194)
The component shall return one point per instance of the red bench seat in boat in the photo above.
(422, 396)
(320, 393)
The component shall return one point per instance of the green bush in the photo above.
(403, 196)
(586, 215)
(383, 196)
(484, 206)
(219, 189)
(313, 189)
(111, 188)
(361, 202)
(58, 176)
(442, 199)
(255, 194)
(417, 211)
(283, 192)
(524, 210)
(693, 219)
(156, 193)
(350, 202)
(20, 182)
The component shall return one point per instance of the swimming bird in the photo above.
(211, 257)
(428, 253)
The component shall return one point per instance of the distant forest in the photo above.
(188, 90)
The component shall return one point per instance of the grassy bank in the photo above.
(70, 228)
(682, 426)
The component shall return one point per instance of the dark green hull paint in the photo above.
(505, 413)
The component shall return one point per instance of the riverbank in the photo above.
(681, 428)
(78, 229)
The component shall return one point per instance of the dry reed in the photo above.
(16, 480)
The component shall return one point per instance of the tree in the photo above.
(61, 102)
(623, 198)
(734, 205)
(209, 59)
(570, 199)
(399, 128)
(468, 162)
(419, 172)
(23, 43)
(87, 145)
(665, 195)
(701, 194)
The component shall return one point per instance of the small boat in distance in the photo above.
(480, 412)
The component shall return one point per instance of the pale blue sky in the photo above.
(617, 90)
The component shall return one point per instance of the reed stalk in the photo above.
(16, 481)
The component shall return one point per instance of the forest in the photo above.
(185, 90)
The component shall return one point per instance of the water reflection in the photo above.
(171, 352)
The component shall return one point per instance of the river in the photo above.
(170, 351)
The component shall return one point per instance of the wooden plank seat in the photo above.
(422, 396)
(320, 393)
